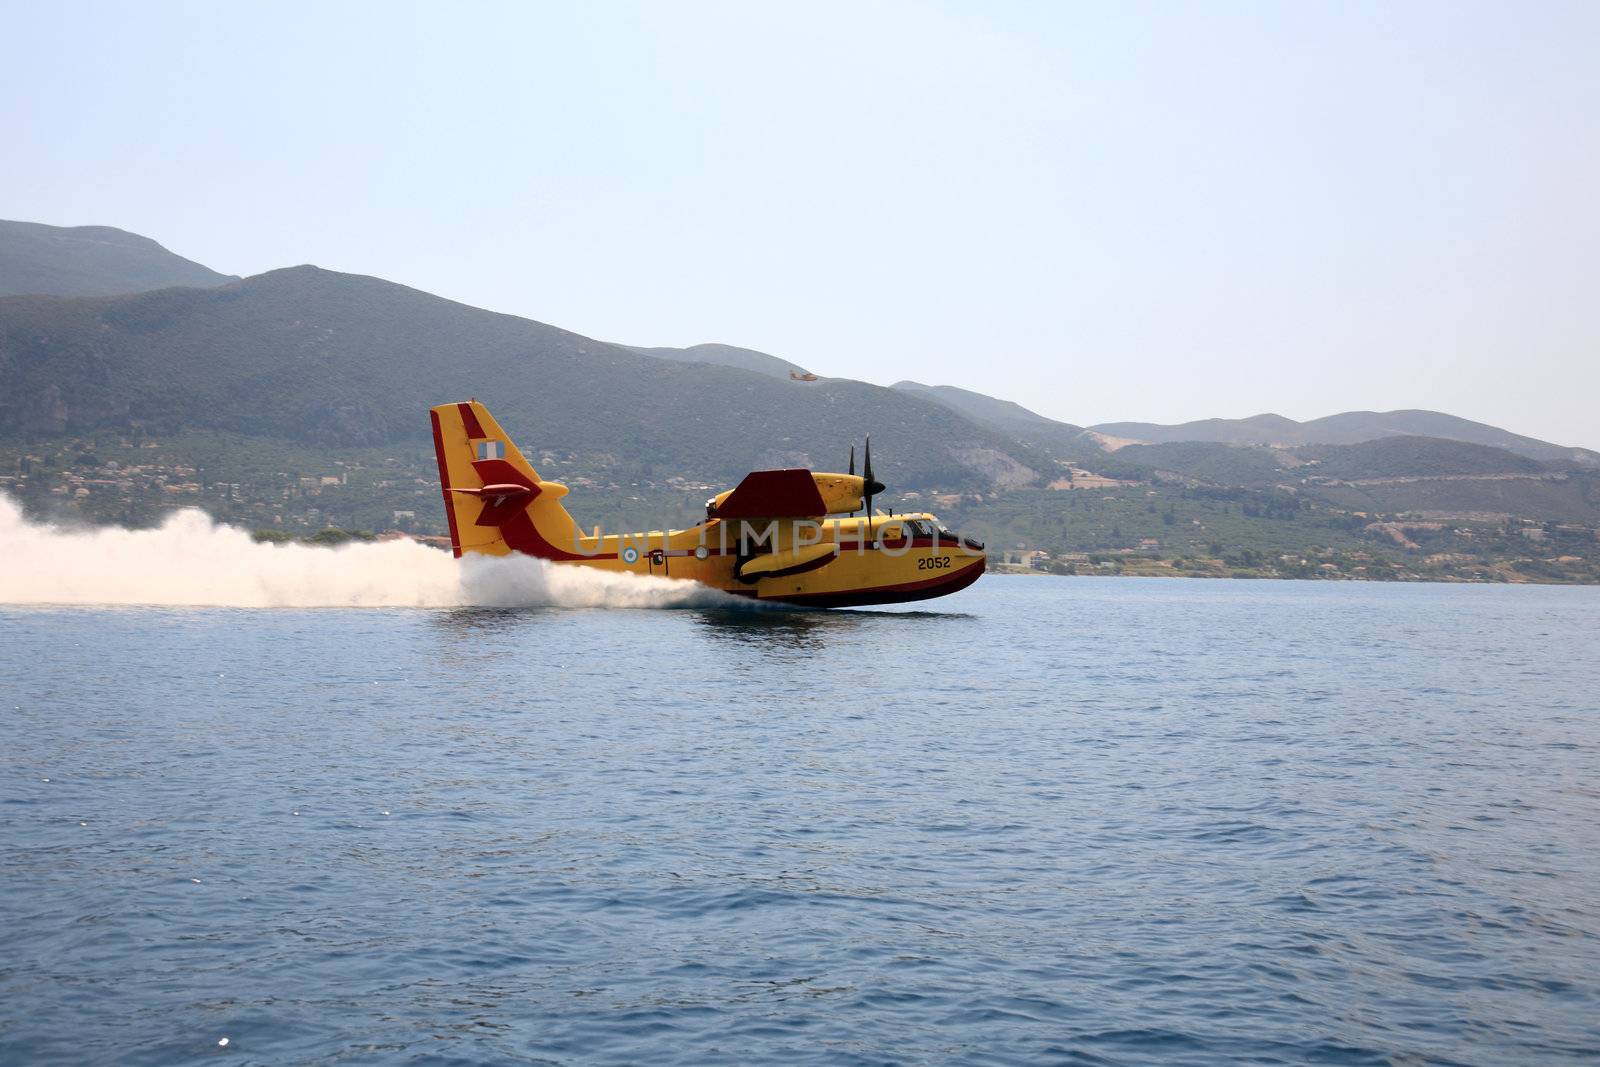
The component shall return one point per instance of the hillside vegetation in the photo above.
(1199, 461)
(1412, 457)
(313, 356)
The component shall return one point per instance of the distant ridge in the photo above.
(1348, 428)
(725, 356)
(1398, 456)
(976, 405)
(1058, 439)
(36, 259)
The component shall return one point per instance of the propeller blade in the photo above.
(873, 486)
(868, 486)
(852, 458)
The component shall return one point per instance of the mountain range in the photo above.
(108, 331)
(336, 360)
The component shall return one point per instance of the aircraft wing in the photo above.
(778, 494)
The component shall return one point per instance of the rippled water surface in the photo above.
(1091, 821)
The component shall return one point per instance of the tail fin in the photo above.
(494, 499)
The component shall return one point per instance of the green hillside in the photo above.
(90, 261)
(1565, 496)
(1412, 457)
(1218, 464)
(1199, 461)
(325, 359)
(1277, 533)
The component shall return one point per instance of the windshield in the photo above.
(948, 536)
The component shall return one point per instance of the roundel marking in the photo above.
(630, 555)
(702, 552)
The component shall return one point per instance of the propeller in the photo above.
(869, 485)
(852, 463)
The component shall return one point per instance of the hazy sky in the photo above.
(1105, 211)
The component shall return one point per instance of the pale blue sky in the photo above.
(1108, 211)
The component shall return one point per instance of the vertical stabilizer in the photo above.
(493, 498)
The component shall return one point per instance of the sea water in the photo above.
(1065, 820)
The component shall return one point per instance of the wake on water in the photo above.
(190, 560)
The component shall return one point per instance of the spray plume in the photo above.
(189, 560)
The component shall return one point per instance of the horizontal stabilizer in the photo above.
(509, 489)
(501, 502)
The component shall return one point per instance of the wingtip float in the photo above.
(786, 535)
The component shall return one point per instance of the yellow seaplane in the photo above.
(779, 535)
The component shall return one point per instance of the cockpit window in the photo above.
(918, 528)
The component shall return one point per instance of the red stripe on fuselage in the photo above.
(522, 535)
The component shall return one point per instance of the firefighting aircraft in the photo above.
(779, 535)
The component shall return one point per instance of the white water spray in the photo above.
(190, 560)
